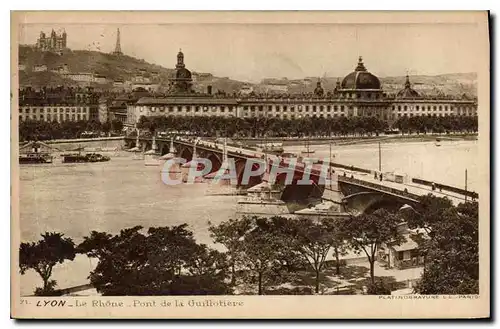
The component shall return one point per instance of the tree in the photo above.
(259, 253)
(163, 261)
(229, 234)
(452, 258)
(260, 246)
(106, 127)
(116, 125)
(428, 212)
(366, 232)
(313, 240)
(339, 244)
(43, 255)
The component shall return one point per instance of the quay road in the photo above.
(406, 189)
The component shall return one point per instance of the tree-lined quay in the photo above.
(274, 255)
(306, 127)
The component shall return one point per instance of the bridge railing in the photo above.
(378, 187)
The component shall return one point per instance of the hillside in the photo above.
(113, 67)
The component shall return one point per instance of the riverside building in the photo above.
(359, 94)
(58, 104)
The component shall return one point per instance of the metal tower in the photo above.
(118, 48)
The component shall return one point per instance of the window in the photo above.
(261, 108)
(197, 109)
(406, 108)
(342, 108)
(314, 108)
(434, 107)
(418, 107)
(335, 108)
(307, 107)
(329, 108)
(399, 107)
(440, 108)
(321, 108)
(285, 108)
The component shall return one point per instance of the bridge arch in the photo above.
(164, 148)
(368, 202)
(240, 169)
(215, 160)
(186, 153)
(147, 145)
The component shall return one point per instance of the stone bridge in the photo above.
(213, 151)
(363, 196)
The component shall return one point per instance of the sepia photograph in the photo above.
(170, 163)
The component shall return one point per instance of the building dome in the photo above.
(408, 91)
(360, 78)
(182, 74)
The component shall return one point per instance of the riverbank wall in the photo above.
(117, 143)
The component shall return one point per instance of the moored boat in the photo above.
(307, 152)
(35, 157)
(272, 147)
(82, 158)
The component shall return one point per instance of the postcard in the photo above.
(250, 165)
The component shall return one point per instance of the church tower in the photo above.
(118, 47)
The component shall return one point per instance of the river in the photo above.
(77, 198)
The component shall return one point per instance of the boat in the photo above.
(35, 157)
(79, 158)
(438, 142)
(272, 147)
(307, 152)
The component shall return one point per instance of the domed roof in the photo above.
(182, 73)
(408, 91)
(360, 78)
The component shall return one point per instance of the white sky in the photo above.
(250, 52)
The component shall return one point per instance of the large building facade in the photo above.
(58, 104)
(359, 94)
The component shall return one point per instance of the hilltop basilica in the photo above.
(55, 42)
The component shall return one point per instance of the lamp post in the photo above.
(379, 158)
(465, 185)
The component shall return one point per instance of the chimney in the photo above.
(209, 90)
